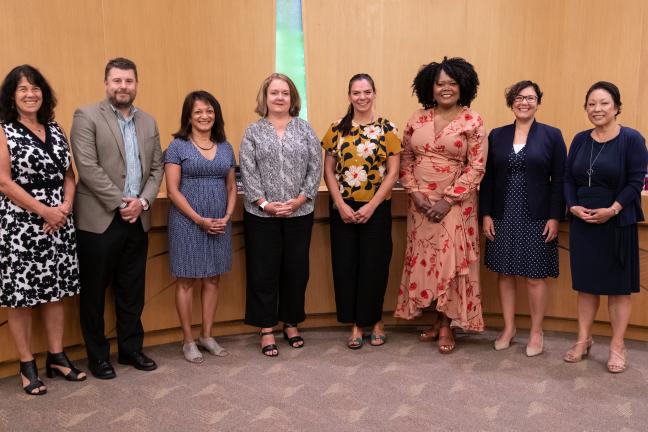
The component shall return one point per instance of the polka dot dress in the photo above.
(519, 248)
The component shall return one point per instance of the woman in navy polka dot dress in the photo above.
(521, 201)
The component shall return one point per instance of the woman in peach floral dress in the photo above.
(442, 163)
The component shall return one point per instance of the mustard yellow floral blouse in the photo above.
(361, 156)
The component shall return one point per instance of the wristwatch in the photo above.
(145, 204)
(616, 212)
(262, 205)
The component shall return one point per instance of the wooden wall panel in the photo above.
(63, 39)
(226, 48)
(564, 45)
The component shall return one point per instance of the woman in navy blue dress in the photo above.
(603, 181)
(521, 201)
(200, 179)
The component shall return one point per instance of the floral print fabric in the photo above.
(361, 156)
(442, 259)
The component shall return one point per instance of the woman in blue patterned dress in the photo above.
(38, 260)
(200, 179)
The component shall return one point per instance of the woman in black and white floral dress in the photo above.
(38, 262)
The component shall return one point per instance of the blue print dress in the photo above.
(193, 252)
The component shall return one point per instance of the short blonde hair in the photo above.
(262, 96)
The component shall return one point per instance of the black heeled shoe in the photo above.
(30, 371)
(60, 359)
(267, 350)
(294, 341)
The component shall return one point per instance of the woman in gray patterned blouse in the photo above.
(281, 164)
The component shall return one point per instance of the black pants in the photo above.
(276, 268)
(361, 254)
(117, 258)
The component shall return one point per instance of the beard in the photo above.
(121, 103)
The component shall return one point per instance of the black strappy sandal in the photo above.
(267, 349)
(60, 359)
(30, 371)
(294, 341)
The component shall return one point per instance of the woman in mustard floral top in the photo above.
(360, 169)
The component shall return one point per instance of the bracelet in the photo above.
(615, 211)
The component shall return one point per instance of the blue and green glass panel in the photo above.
(290, 47)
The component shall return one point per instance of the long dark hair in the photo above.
(8, 112)
(345, 124)
(217, 131)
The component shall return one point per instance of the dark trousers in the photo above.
(361, 254)
(276, 268)
(117, 258)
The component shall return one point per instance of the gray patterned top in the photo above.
(279, 169)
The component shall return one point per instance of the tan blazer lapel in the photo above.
(110, 118)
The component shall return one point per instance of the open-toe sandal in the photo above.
(378, 339)
(355, 343)
(295, 341)
(446, 342)
(62, 361)
(617, 361)
(429, 335)
(573, 356)
(35, 387)
(270, 350)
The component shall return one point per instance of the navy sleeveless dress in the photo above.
(519, 248)
(604, 257)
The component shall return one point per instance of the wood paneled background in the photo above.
(227, 48)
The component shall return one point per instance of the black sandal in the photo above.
(294, 341)
(61, 360)
(30, 371)
(267, 349)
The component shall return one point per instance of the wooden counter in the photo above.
(161, 322)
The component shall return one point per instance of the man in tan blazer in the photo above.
(119, 161)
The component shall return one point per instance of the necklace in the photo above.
(590, 170)
(36, 128)
(204, 148)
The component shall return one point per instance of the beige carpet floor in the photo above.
(403, 386)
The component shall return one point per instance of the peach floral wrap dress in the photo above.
(442, 259)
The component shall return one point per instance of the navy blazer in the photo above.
(545, 166)
(632, 162)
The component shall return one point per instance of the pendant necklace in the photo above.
(590, 170)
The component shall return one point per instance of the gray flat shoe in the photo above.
(210, 344)
(191, 353)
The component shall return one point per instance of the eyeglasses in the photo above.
(530, 98)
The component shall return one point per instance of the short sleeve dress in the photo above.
(36, 267)
(193, 252)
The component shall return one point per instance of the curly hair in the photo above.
(217, 133)
(458, 69)
(609, 87)
(511, 92)
(8, 112)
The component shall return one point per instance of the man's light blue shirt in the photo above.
(133, 165)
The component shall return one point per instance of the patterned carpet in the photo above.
(404, 386)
